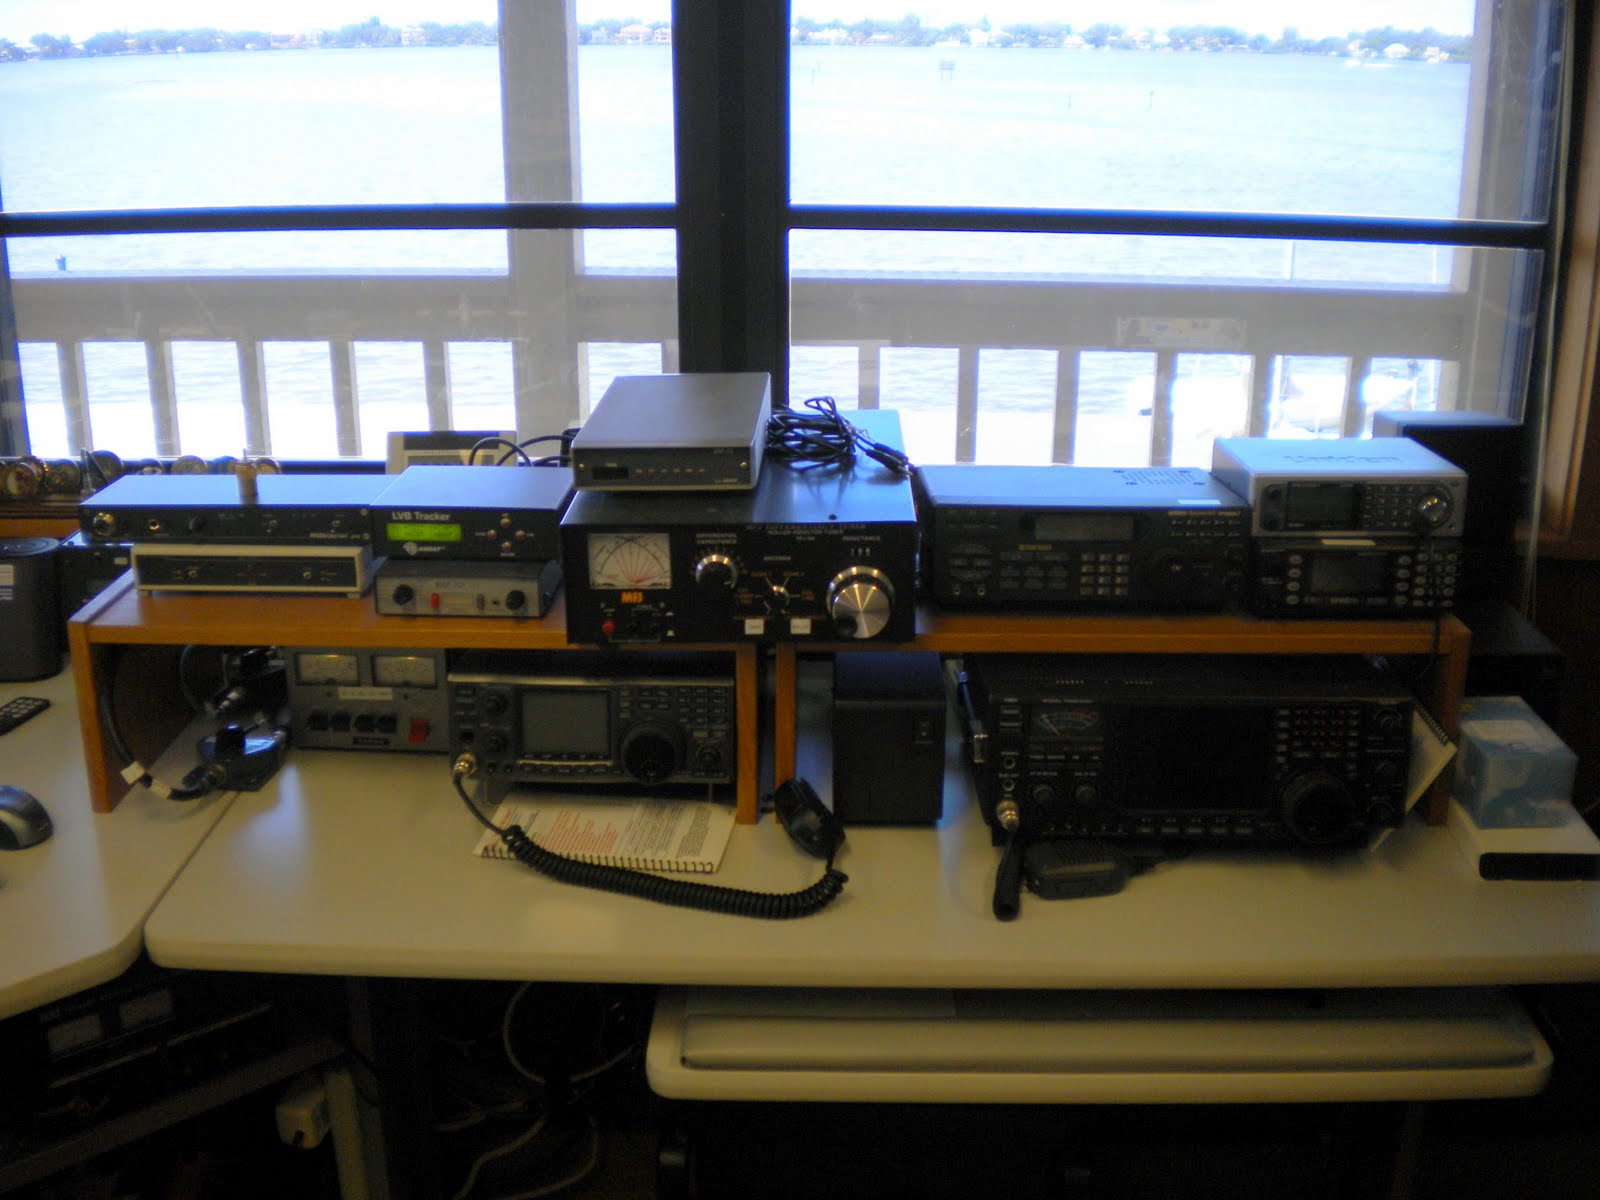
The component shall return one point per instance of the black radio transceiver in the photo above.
(1242, 749)
(818, 555)
(1355, 577)
(204, 509)
(574, 717)
(472, 513)
(1062, 537)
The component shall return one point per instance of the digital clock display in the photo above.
(422, 531)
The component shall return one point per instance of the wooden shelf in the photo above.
(123, 616)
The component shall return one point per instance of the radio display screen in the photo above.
(1349, 574)
(1083, 527)
(422, 531)
(1321, 506)
(1195, 757)
(566, 721)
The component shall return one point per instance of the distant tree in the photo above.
(50, 46)
(107, 43)
(1101, 34)
(367, 33)
(200, 41)
(10, 51)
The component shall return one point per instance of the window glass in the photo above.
(1230, 106)
(1127, 369)
(342, 356)
(314, 344)
(1123, 349)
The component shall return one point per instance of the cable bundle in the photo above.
(823, 438)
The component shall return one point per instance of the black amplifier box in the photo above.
(469, 513)
(288, 509)
(1139, 539)
(820, 554)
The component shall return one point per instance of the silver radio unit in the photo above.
(1343, 487)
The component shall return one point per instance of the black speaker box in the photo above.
(30, 625)
(1493, 451)
(888, 737)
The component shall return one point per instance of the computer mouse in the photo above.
(23, 820)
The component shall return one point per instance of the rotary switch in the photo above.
(860, 602)
(716, 573)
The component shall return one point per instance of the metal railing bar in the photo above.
(1482, 234)
(436, 382)
(302, 218)
(163, 395)
(346, 399)
(967, 404)
(1351, 414)
(869, 375)
(1064, 434)
(74, 394)
(1260, 415)
(1161, 409)
(253, 393)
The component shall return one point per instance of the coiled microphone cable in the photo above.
(739, 902)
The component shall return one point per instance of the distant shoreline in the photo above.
(1387, 43)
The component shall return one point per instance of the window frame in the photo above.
(732, 214)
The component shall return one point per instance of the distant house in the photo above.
(1396, 50)
(662, 35)
(635, 35)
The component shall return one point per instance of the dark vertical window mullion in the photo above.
(13, 426)
(764, 257)
(730, 75)
(698, 69)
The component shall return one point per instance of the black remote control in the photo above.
(15, 712)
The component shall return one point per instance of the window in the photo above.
(1042, 234)
(295, 234)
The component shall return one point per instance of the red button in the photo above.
(419, 731)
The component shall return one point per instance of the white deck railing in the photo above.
(1263, 324)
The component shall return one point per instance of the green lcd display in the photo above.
(422, 531)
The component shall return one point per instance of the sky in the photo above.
(21, 19)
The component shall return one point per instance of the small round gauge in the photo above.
(63, 477)
(20, 479)
(405, 670)
(630, 560)
(104, 467)
(315, 669)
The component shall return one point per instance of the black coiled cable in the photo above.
(739, 902)
(823, 438)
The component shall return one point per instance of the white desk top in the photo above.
(73, 907)
(360, 864)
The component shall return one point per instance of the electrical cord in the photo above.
(519, 450)
(823, 438)
(197, 784)
(741, 902)
(533, 1076)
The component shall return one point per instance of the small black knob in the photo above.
(515, 599)
(403, 593)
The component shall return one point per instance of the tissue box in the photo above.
(1512, 770)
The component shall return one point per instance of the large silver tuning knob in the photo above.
(860, 602)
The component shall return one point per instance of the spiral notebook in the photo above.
(644, 835)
